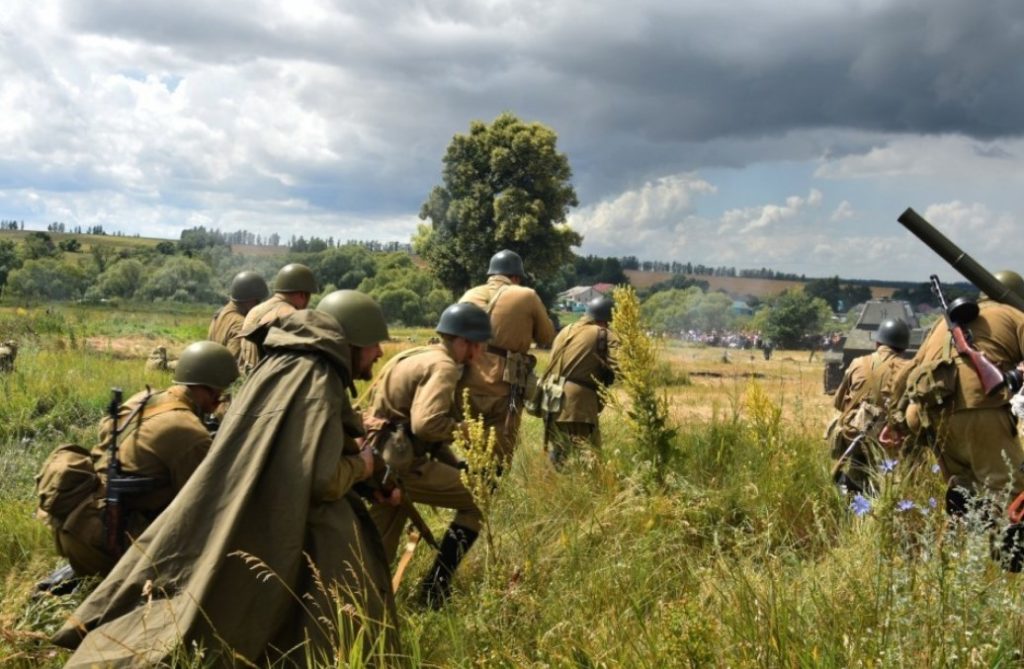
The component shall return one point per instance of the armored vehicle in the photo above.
(859, 339)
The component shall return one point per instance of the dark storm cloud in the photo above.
(635, 91)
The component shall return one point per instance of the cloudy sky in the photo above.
(750, 133)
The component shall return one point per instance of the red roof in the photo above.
(603, 287)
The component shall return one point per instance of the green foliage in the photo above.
(345, 267)
(504, 185)
(180, 279)
(120, 280)
(678, 310)
(37, 245)
(406, 293)
(838, 296)
(636, 363)
(9, 260)
(49, 279)
(792, 316)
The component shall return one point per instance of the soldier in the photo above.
(165, 441)
(863, 400)
(972, 433)
(581, 362)
(247, 290)
(498, 379)
(293, 288)
(268, 556)
(416, 395)
(8, 354)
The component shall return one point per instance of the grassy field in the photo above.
(737, 285)
(744, 556)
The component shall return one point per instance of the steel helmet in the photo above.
(600, 308)
(295, 278)
(1011, 280)
(506, 262)
(359, 315)
(894, 333)
(206, 363)
(465, 320)
(249, 287)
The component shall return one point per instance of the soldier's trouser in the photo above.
(563, 438)
(496, 415)
(85, 559)
(980, 447)
(435, 484)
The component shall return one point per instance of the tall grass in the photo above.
(744, 555)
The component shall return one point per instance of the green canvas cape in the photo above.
(227, 565)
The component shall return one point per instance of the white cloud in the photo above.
(749, 219)
(842, 212)
(654, 214)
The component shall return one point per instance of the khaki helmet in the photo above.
(1011, 280)
(465, 320)
(506, 262)
(206, 363)
(248, 287)
(359, 315)
(295, 278)
(894, 333)
(600, 308)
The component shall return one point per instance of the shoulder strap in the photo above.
(494, 299)
(397, 358)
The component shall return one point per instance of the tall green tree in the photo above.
(505, 185)
(792, 316)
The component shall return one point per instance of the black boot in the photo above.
(436, 587)
(61, 581)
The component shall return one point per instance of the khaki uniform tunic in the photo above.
(167, 446)
(979, 431)
(869, 378)
(418, 388)
(262, 314)
(225, 326)
(518, 317)
(577, 355)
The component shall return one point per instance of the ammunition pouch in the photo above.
(66, 479)
(519, 374)
(931, 385)
(548, 397)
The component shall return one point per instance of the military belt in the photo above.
(497, 350)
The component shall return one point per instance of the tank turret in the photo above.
(860, 341)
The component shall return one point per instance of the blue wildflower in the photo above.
(905, 505)
(888, 465)
(860, 505)
(932, 503)
(936, 469)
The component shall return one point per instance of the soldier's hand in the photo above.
(394, 498)
(366, 455)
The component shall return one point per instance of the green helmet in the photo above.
(358, 314)
(465, 320)
(894, 333)
(295, 278)
(506, 262)
(1011, 280)
(206, 363)
(600, 308)
(248, 287)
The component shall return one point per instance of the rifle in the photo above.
(119, 485)
(384, 481)
(991, 377)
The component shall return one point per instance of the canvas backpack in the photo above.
(66, 479)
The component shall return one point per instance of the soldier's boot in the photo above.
(436, 588)
(61, 581)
